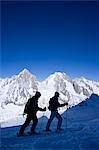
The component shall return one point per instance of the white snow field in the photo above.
(80, 130)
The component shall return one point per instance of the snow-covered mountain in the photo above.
(15, 91)
(17, 88)
(72, 90)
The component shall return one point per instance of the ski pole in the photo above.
(66, 113)
(66, 118)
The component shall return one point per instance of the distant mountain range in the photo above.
(15, 91)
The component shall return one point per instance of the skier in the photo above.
(53, 107)
(31, 109)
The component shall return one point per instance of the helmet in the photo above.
(38, 94)
(56, 94)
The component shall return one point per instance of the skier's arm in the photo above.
(62, 105)
(42, 109)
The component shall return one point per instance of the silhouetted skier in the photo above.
(31, 109)
(53, 107)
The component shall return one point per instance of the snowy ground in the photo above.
(81, 131)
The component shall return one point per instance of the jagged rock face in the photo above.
(87, 86)
(77, 88)
(80, 89)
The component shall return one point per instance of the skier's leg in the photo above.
(58, 116)
(28, 119)
(49, 121)
(35, 121)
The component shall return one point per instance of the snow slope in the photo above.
(15, 91)
(81, 131)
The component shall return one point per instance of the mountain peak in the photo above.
(62, 75)
(83, 78)
(80, 79)
(25, 71)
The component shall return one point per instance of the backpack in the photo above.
(51, 104)
(27, 107)
(49, 107)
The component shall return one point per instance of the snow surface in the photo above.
(80, 130)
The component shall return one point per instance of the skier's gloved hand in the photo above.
(66, 103)
(44, 109)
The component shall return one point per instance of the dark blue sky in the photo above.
(45, 37)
